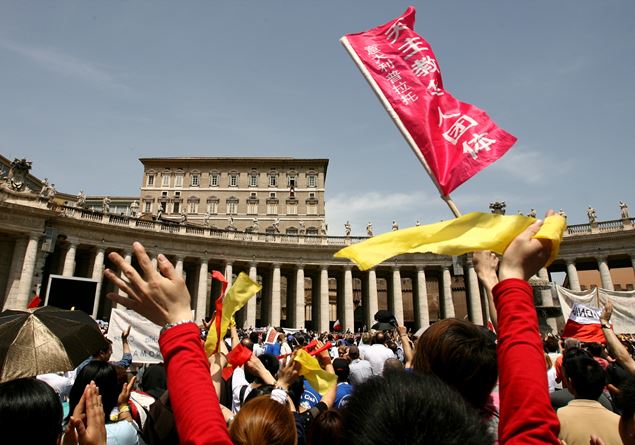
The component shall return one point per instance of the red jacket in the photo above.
(526, 415)
(197, 413)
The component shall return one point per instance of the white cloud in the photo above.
(381, 209)
(530, 167)
(62, 63)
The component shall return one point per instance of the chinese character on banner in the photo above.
(453, 139)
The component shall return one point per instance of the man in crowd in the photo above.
(378, 353)
(360, 370)
(584, 415)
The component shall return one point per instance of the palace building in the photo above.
(264, 217)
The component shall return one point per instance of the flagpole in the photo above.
(402, 128)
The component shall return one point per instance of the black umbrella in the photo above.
(45, 340)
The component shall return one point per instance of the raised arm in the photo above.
(526, 416)
(614, 345)
(162, 297)
(485, 264)
(407, 347)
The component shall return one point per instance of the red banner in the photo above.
(456, 139)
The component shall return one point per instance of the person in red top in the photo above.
(162, 297)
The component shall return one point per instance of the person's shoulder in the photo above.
(122, 432)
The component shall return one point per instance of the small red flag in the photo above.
(236, 357)
(34, 303)
(456, 139)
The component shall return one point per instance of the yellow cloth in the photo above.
(468, 233)
(319, 379)
(235, 298)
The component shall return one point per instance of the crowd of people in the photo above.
(457, 383)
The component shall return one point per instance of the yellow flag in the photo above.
(319, 379)
(468, 233)
(235, 298)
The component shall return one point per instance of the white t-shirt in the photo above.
(377, 354)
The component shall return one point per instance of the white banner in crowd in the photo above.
(623, 317)
(143, 338)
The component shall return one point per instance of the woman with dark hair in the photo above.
(326, 428)
(24, 401)
(119, 424)
(463, 355)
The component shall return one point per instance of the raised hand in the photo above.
(87, 425)
(160, 296)
(525, 255)
(126, 389)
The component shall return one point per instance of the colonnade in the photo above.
(307, 282)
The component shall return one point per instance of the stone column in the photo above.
(447, 310)
(474, 295)
(26, 276)
(201, 299)
(396, 296)
(69, 261)
(348, 309)
(98, 274)
(605, 273)
(15, 271)
(250, 307)
(274, 308)
(572, 274)
(179, 266)
(420, 294)
(546, 299)
(323, 315)
(229, 271)
(373, 304)
(299, 298)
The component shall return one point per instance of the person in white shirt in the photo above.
(360, 370)
(378, 353)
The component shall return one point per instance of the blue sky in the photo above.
(90, 87)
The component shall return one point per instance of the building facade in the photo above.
(303, 284)
(270, 195)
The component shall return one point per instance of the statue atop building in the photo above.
(323, 227)
(44, 191)
(418, 223)
(255, 225)
(395, 226)
(532, 213)
(302, 227)
(369, 229)
(231, 223)
(134, 206)
(347, 229)
(590, 213)
(81, 200)
(276, 225)
(16, 178)
(562, 213)
(624, 210)
(498, 207)
(105, 206)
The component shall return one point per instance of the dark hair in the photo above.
(353, 352)
(550, 344)
(463, 355)
(31, 412)
(626, 398)
(586, 375)
(253, 336)
(392, 365)
(595, 349)
(326, 428)
(105, 377)
(270, 362)
(263, 390)
(407, 408)
(380, 338)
